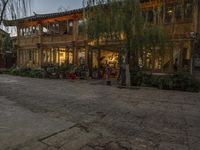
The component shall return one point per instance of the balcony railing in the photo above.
(48, 39)
(179, 30)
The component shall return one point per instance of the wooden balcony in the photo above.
(156, 3)
(34, 41)
(179, 30)
(27, 41)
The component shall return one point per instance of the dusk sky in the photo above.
(50, 6)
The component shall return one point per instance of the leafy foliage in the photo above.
(6, 43)
(27, 72)
(180, 81)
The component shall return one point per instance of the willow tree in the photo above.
(6, 43)
(110, 18)
(13, 9)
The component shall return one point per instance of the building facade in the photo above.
(54, 39)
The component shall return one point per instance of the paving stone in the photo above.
(34, 146)
(194, 143)
(172, 146)
(113, 146)
(80, 141)
(39, 110)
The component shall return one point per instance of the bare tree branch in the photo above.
(3, 10)
(13, 9)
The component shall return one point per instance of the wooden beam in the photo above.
(50, 20)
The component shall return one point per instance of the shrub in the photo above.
(36, 74)
(136, 76)
(180, 81)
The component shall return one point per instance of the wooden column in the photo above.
(65, 56)
(74, 54)
(88, 57)
(91, 62)
(171, 59)
(180, 67)
(40, 58)
(53, 59)
(18, 58)
(68, 49)
(23, 57)
(99, 63)
(75, 29)
(58, 56)
(86, 53)
(198, 17)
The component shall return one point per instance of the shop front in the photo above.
(101, 60)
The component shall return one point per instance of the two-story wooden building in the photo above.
(49, 39)
(53, 39)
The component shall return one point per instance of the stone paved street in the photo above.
(43, 114)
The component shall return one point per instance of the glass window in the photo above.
(81, 26)
(70, 27)
(169, 14)
(188, 8)
(150, 16)
(178, 13)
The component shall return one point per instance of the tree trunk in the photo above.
(128, 76)
(162, 60)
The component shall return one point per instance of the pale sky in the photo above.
(50, 6)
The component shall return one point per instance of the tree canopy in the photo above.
(13, 9)
(110, 19)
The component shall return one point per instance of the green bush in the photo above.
(136, 76)
(180, 81)
(36, 74)
(26, 72)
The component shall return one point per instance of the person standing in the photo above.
(108, 72)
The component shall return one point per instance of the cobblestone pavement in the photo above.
(41, 114)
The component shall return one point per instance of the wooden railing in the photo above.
(24, 41)
(48, 39)
(155, 3)
(179, 30)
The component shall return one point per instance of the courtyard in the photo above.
(44, 114)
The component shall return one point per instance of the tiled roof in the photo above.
(38, 17)
(2, 31)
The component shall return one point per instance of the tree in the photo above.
(6, 43)
(13, 9)
(109, 19)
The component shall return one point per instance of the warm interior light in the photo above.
(170, 11)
